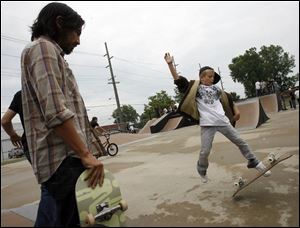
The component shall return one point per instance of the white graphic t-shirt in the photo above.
(209, 106)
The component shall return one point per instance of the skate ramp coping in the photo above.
(252, 114)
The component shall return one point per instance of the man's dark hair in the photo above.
(45, 24)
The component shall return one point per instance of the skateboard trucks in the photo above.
(240, 183)
(105, 213)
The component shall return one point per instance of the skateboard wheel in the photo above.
(236, 184)
(271, 157)
(124, 205)
(90, 219)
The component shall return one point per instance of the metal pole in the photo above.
(220, 78)
(114, 85)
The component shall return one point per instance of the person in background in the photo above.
(258, 88)
(297, 95)
(6, 122)
(292, 99)
(94, 122)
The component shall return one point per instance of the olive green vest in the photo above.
(188, 104)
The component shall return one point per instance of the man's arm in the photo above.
(68, 133)
(6, 123)
(169, 61)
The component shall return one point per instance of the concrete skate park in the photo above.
(158, 179)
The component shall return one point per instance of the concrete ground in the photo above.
(159, 181)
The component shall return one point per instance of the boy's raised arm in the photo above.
(169, 61)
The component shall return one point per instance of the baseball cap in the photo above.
(216, 78)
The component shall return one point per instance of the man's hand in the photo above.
(68, 133)
(16, 140)
(168, 58)
(96, 172)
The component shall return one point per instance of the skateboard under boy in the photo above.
(251, 175)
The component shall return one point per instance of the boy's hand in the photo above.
(168, 58)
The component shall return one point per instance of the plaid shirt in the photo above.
(50, 96)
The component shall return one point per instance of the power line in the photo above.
(73, 64)
(143, 75)
(10, 75)
(18, 40)
(136, 62)
(87, 53)
(13, 39)
(7, 69)
(139, 64)
(10, 55)
(82, 65)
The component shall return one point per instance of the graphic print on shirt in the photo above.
(208, 94)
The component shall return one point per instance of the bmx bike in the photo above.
(111, 148)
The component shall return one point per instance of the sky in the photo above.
(138, 34)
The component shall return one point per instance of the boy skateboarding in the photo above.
(214, 109)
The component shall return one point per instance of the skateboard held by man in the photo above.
(103, 205)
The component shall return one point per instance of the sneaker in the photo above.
(261, 168)
(203, 177)
(252, 163)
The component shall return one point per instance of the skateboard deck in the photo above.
(252, 175)
(102, 205)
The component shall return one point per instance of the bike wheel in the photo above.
(112, 149)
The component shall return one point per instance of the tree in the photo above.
(271, 63)
(160, 101)
(247, 69)
(128, 112)
(277, 64)
(178, 96)
(290, 82)
(155, 106)
(148, 114)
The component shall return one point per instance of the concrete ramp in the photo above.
(252, 114)
(146, 128)
(172, 124)
(159, 123)
(270, 103)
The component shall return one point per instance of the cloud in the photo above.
(139, 33)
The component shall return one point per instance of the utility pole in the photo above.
(220, 78)
(114, 85)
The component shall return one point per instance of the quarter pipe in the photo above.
(252, 114)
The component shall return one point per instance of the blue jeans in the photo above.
(58, 203)
(207, 137)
